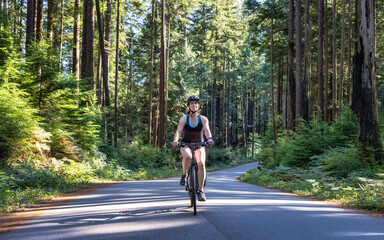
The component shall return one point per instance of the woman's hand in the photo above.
(174, 144)
(211, 142)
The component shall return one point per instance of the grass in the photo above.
(363, 189)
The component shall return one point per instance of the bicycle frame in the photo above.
(192, 181)
(194, 164)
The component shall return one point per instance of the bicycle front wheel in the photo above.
(192, 190)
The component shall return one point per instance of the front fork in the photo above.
(187, 187)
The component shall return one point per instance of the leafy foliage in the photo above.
(324, 161)
(340, 161)
(360, 189)
(17, 121)
(51, 128)
(227, 156)
(313, 139)
(144, 156)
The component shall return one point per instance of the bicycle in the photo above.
(192, 180)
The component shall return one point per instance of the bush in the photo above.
(74, 126)
(340, 161)
(17, 121)
(113, 171)
(144, 157)
(222, 156)
(314, 138)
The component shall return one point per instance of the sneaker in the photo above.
(202, 196)
(182, 180)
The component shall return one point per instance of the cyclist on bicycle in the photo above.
(193, 125)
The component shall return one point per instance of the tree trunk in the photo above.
(214, 102)
(39, 22)
(61, 34)
(105, 66)
(151, 77)
(334, 61)
(107, 38)
(326, 64)
(228, 130)
(99, 87)
(357, 18)
(253, 121)
(364, 96)
(105, 71)
(156, 109)
(39, 41)
(162, 115)
(76, 40)
(130, 91)
(272, 89)
(214, 94)
(244, 117)
(259, 115)
(320, 63)
(222, 107)
(87, 67)
(30, 31)
(279, 97)
(50, 19)
(341, 81)
(291, 98)
(285, 111)
(166, 83)
(349, 72)
(20, 21)
(116, 125)
(299, 73)
(307, 63)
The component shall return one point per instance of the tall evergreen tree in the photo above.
(87, 50)
(300, 88)
(162, 88)
(320, 63)
(291, 93)
(364, 97)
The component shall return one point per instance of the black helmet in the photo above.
(193, 98)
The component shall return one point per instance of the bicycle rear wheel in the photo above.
(192, 189)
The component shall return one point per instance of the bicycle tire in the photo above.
(193, 189)
(189, 186)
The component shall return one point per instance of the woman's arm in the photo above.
(207, 131)
(179, 129)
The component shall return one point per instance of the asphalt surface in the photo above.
(160, 209)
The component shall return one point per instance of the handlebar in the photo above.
(183, 144)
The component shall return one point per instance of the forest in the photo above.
(92, 91)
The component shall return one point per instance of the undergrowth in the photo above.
(362, 189)
(324, 161)
(37, 178)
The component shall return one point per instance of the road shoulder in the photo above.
(11, 221)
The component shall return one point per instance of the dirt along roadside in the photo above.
(16, 219)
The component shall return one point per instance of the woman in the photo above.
(193, 125)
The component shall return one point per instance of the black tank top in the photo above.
(193, 134)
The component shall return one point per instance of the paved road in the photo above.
(234, 210)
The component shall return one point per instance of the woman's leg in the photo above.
(200, 159)
(187, 156)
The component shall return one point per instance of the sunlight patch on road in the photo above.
(360, 234)
(234, 192)
(313, 208)
(287, 204)
(124, 228)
